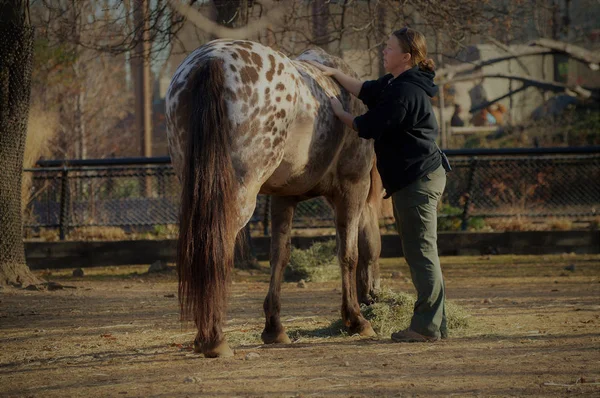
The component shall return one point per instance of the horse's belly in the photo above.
(311, 147)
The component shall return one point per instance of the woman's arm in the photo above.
(346, 117)
(372, 125)
(349, 83)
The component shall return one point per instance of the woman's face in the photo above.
(394, 57)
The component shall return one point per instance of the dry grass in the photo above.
(97, 233)
(41, 129)
(560, 224)
(519, 223)
(513, 224)
(104, 233)
(80, 234)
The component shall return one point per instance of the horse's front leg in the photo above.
(282, 213)
(347, 221)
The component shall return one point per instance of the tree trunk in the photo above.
(16, 54)
(143, 87)
(320, 31)
(228, 12)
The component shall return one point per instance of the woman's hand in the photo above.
(327, 71)
(339, 111)
(336, 105)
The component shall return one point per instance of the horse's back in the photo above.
(285, 137)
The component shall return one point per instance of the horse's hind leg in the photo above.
(369, 249)
(282, 212)
(348, 212)
(211, 341)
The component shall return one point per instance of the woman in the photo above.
(401, 121)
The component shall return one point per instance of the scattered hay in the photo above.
(457, 316)
(242, 337)
(315, 264)
(334, 329)
(392, 312)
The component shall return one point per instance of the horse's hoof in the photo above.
(364, 329)
(215, 350)
(275, 337)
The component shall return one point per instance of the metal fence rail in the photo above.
(484, 184)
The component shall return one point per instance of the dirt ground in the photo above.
(534, 331)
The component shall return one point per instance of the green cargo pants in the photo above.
(415, 210)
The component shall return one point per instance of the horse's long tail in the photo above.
(207, 215)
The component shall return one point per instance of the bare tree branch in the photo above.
(591, 58)
(449, 72)
(271, 15)
(542, 84)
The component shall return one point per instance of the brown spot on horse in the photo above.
(245, 55)
(249, 75)
(254, 99)
(271, 71)
(257, 60)
(245, 44)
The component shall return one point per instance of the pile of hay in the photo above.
(315, 264)
(393, 311)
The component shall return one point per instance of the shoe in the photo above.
(410, 336)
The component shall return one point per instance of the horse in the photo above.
(244, 119)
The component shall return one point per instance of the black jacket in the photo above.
(401, 121)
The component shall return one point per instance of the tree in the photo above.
(61, 31)
(16, 54)
(82, 86)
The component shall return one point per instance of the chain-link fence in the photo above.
(504, 190)
(484, 188)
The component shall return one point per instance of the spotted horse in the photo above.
(244, 119)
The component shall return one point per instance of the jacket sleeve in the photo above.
(369, 92)
(385, 117)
